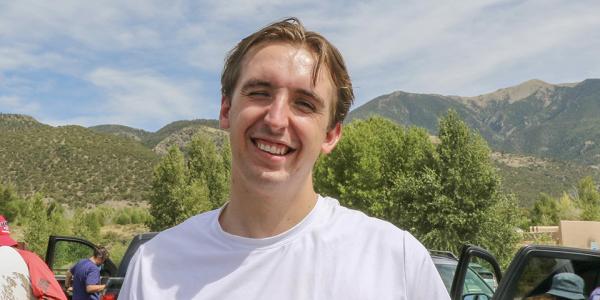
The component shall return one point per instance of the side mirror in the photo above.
(476, 296)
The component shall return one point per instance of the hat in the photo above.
(567, 285)
(5, 239)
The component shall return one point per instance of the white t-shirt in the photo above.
(14, 275)
(333, 253)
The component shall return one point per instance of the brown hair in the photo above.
(291, 30)
(101, 253)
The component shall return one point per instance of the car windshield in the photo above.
(473, 282)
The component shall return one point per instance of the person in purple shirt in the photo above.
(595, 295)
(84, 276)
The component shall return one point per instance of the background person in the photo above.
(33, 278)
(567, 286)
(595, 295)
(84, 276)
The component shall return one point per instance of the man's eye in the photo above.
(305, 105)
(259, 94)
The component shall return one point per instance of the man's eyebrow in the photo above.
(252, 83)
(312, 95)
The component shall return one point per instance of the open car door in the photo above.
(63, 252)
(469, 256)
(530, 273)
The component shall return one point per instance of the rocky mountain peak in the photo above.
(515, 93)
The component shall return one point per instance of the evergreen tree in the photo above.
(458, 200)
(567, 209)
(169, 179)
(545, 211)
(206, 166)
(588, 199)
(9, 202)
(176, 195)
(37, 228)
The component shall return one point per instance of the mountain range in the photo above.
(557, 121)
(82, 166)
(545, 137)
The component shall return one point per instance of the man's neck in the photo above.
(256, 213)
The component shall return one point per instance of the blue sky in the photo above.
(147, 63)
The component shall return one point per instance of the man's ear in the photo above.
(331, 139)
(224, 113)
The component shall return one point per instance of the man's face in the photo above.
(277, 119)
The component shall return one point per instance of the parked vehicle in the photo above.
(529, 274)
(64, 251)
(446, 263)
(486, 274)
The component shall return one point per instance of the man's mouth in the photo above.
(271, 148)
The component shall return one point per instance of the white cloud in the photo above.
(99, 25)
(17, 58)
(464, 47)
(147, 57)
(14, 104)
(142, 97)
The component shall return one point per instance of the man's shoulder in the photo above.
(83, 264)
(15, 275)
(194, 227)
(28, 255)
(356, 224)
(357, 219)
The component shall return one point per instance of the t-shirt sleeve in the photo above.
(131, 284)
(422, 278)
(93, 276)
(43, 282)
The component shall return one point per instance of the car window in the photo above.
(536, 278)
(473, 282)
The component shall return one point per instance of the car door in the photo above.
(470, 255)
(531, 270)
(64, 251)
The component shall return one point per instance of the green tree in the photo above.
(446, 194)
(545, 211)
(87, 224)
(174, 196)
(567, 209)
(588, 199)
(9, 202)
(371, 159)
(37, 228)
(169, 178)
(57, 222)
(206, 165)
(459, 200)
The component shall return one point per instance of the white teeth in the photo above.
(271, 149)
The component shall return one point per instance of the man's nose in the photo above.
(277, 116)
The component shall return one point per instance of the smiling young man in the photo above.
(285, 92)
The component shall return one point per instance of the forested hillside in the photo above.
(152, 139)
(72, 164)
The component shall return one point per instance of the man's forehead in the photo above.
(258, 65)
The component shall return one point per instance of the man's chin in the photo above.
(273, 177)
